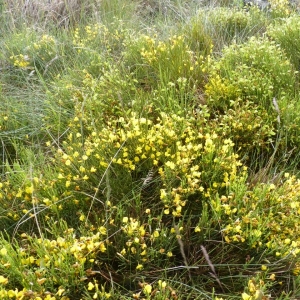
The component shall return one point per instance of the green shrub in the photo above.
(123, 161)
(285, 32)
(226, 25)
(164, 62)
(280, 8)
(248, 125)
(40, 55)
(257, 70)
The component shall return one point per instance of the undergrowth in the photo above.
(149, 150)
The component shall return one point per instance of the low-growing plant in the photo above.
(280, 8)
(41, 55)
(227, 25)
(257, 70)
(164, 62)
(249, 125)
(285, 33)
(145, 162)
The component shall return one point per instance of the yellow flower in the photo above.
(162, 284)
(41, 281)
(156, 234)
(102, 247)
(272, 277)
(287, 241)
(102, 230)
(197, 229)
(245, 296)
(264, 267)
(11, 293)
(169, 254)
(170, 164)
(29, 189)
(272, 187)
(3, 251)
(3, 280)
(48, 297)
(251, 286)
(68, 162)
(60, 291)
(91, 286)
(147, 289)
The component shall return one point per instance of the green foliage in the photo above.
(290, 123)
(227, 25)
(38, 56)
(150, 162)
(285, 33)
(249, 125)
(165, 62)
(256, 70)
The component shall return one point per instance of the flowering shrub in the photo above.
(151, 167)
(276, 231)
(280, 8)
(286, 34)
(40, 54)
(248, 125)
(165, 61)
(256, 70)
(171, 144)
(95, 43)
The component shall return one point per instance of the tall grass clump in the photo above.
(286, 34)
(43, 14)
(227, 25)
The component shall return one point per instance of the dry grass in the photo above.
(57, 12)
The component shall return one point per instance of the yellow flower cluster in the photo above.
(37, 53)
(161, 290)
(136, 244)
(172, 59)
(280, 7)
(176, 149)
(98, 34)
(27, 294)
(64, 253)
(20, 60)
(255, 290)
(255, 223)
(45, 48)
(248, 125)
(90, 33)
(220, 88)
